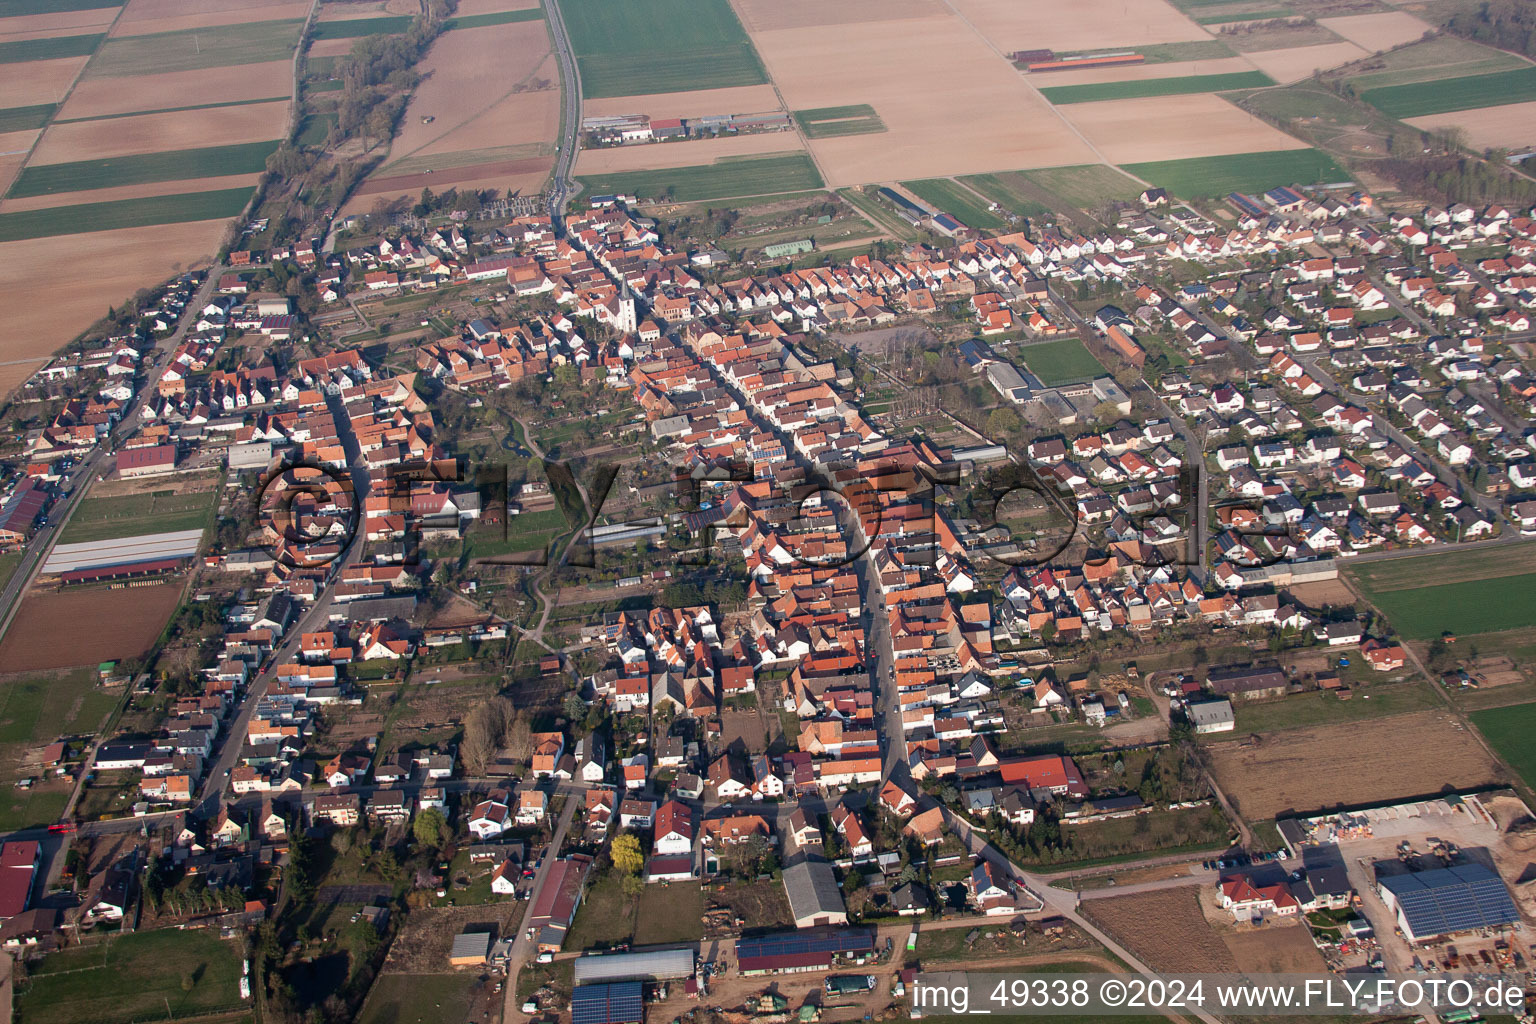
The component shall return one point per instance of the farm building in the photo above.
(814, 897)
(802, 951)
(558, 900)
(19, 516)
(1446, 901)
(1248, 681)
(779, 250)
(133, 462)
(622, 1003)
(125, 551)
(470, 949)
(642, 965)
(1213, 715)
(18, 861)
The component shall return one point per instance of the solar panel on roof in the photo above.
(620, 1003)
(785, 943)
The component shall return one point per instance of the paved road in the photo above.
(561, 185)
(522, 946)
(1056, 901)
(1443, 473)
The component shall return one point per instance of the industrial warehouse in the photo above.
(99, 560)
(1447, 901)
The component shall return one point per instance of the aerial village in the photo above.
(1300, 381)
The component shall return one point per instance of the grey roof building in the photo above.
(814, 898)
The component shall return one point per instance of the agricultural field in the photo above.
(123, 213)
(134, 515)
(1321, 708)
(1165, 928)
(1450, 94)
(744, 176)
(1444, 56)
(35, 710)
(127, 621)
(939, 123)
(1244, 172)
(1060, 362)
(171, 165)
(1377, 31)
(1292, 64)
(1281, 949)
(150, 142)
(946, 196)
(1350, 763)
(28, 50)
(1089, 25)
(1506, 126)
(134, 977)
(1188, 129)
(650, 46)
(1092, 92)
(1509, 730)
(418, 998)
(485, 115)
(1089, 187)
(832, 122)
(1464, 593)
(189, 50)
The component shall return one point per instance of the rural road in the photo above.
(522, 946)
(561, 186)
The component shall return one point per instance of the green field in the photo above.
(21, 119)
(947, 197)
(174, 165)
(493, 18)
(1209, 177)
(35, 710)
(219, 46)
(1321, 708)
(139, 514)
(1086, 187)
(1010, 189)
(1060, 362)
(132, 978)
(124, 213)
(18, 8)
(647, 46)
(744, 176)
(1449, 94)
(393, 24)
(1465, 609)
(1062, 94)
(417, 999)
(1440, 57)
(1509, 730)
(352, 28)
(49, 49)
(832, 122)
(531, 531)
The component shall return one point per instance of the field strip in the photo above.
(179, 186)
(174, 110)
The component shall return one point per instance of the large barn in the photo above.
(1447, 901)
